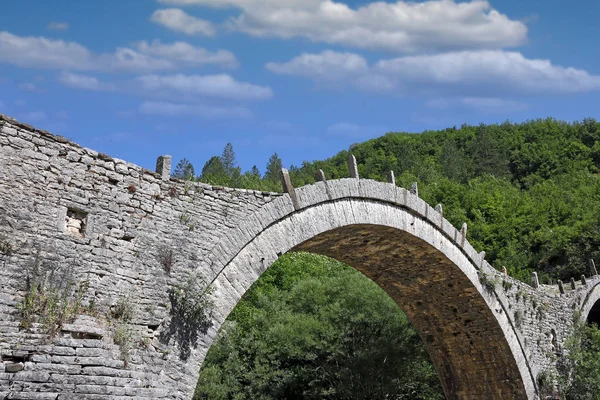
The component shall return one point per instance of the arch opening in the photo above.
(593, 316)
(343, 337)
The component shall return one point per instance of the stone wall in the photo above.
(124, 237)
(125, 233)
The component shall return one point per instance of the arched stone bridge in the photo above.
(125, 243)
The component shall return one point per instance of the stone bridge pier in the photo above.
(103, 262)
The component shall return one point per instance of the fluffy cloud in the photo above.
(40, 52)
(326, 66)
(404, 26)
(82, 82)
(486, 73)
(192, 110)
(220, 85)
(58, 26)
(177, 20)
(182, 52)
(188, 88)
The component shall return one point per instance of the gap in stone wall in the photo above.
(76, 222)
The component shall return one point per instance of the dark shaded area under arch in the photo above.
(465, 342)
(594, 315)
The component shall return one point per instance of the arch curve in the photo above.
(413, 253)
(591, 303)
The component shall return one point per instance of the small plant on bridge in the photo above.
(191, 302)
(490, 283)
(52, 297)
(6, 248)
(190, 310)
(121, 313)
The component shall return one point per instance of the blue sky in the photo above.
(304, 78)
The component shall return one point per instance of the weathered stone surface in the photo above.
(126, 235)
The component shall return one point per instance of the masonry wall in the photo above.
(121, 231)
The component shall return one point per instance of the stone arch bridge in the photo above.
(121, 243)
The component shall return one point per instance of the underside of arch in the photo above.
(462, 336)
(590, 309)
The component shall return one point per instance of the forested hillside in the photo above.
(530, 192)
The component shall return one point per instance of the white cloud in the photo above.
(58, 26)
(166, 109)
(221, 86)
(182, 52)
(177, 20)
(486, 73)
(403, 26)
(327, 66)
(40, 52)
(79, 81)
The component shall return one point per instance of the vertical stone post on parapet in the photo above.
(439, 209)
(535, 283)
(320, 176)
(352, 166)
(288, 188)
(573, 283)
(583, 281)
(561, 288)
(392, 178)
(414, 189)
(593, 271)
(463, 234)
(163, 167)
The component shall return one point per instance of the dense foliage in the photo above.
(313, 328)
(529, 192)
(580, 375)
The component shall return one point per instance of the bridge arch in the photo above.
(409, 250)
(590, 309)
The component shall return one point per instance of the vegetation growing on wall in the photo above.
(52, 297)
(580, 372)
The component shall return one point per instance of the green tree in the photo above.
(228, 160)
(273, 169)
(580, 372)
(184, 170)
(313, 328)
(214, 173)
